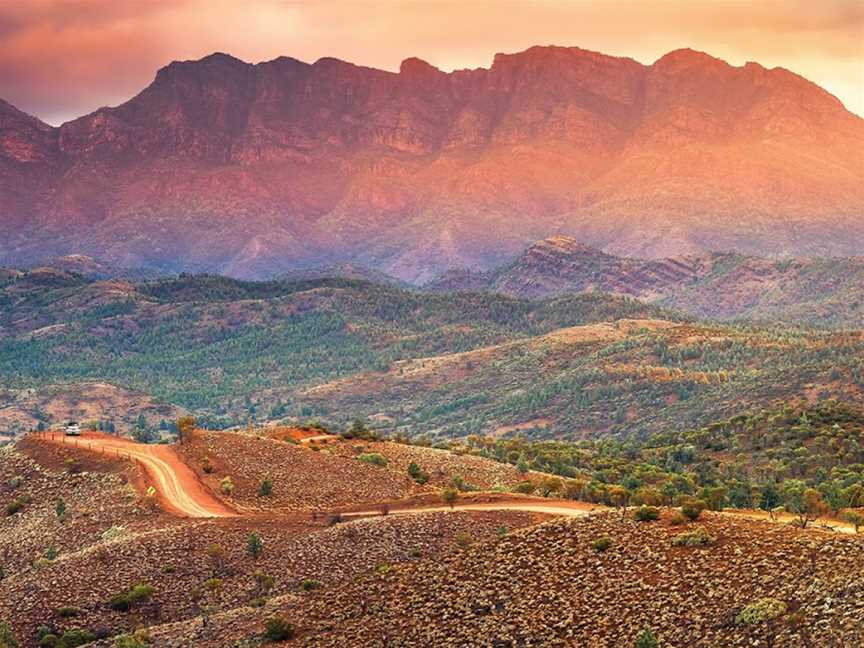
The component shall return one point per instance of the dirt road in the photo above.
(553, 507)
(178, 488)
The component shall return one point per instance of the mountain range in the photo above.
(259, 170)
(714, 285)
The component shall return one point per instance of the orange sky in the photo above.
(63, 58)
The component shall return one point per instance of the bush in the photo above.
(74, 638)
(254, 544)
(677, 519)
(463, 540)
(206, 465)
(698, 537)
(646, 513)
(646, 639)
(278, 629)
(68, 611)
(14, 506)
(227, 486)
(124, 601)
(15, 482)
(524, 487)
(760, 611)
(309, 584)
(449, 496)
(138, 640)
(692, 509)
(266, 488)
(373, 458)
(417, 473)
(601, 544)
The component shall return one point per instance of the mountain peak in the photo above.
(684, 58)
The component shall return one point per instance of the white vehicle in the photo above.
(73, 429)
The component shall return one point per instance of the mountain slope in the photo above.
(253, 170)
(726, 286)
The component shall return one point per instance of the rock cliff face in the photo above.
(254, 170)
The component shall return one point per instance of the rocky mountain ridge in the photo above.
(254, 170)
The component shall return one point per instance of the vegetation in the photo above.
(698, 537)
(601, 544)
(254, 544)
(765, 609)
(7, 639)
(646, 514)
(278, 629)
(124, 601)
(646, 639)
(449, 496)
(373, 458)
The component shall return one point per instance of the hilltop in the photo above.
(721, 286)
(254, 170)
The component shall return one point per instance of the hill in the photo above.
(254, 170)
(229, 349)
(722, 286)
(80, 528)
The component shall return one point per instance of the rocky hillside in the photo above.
(725, 286)
(252, 170)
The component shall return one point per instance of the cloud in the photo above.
(64, 58)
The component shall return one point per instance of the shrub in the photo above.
(131, 641)
(698, 537)
(124, 601)
(60, 508)
(646, 639)
(677, 519)
(206, 465)
(72, 466)
(278, 629)
(459, 483)
(549, 486)
(227, 486)
(524, 487)
(15, 482)
(266, 488)
(601, 544)
(309, 584)
(692, 509)
(760, 611)
(14, 506)
(449, 496)
(51, 553)
(417, 473)
(463, 540)
(646, 513)
(374, 458)
(74, 638)
(7, 639)
(254, 544)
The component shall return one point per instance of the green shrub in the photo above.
(524, 487)
(760, 611)
(698, 537)
(266, 488)
(124, 601)
(75, 638)
(68, 611)
(278, 629)
(374, 458)
(14, 506)
(463, 540)
(601, 544)
(417, 473)
(309, 584)
(646, 513)
(131, 641)
(646, 639)
(227, 486)
(51, 553)
(692, 509)
(254, 544)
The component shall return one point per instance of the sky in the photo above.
(60, 59)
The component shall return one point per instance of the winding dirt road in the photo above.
(178, 487)
(181, 492)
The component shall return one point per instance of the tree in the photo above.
(715, 497)
(449, 496)
(254, 544)
(185, 428)
(619, 497)
(855, 518)
(805, 503)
